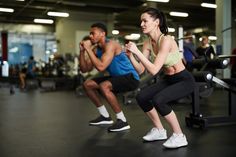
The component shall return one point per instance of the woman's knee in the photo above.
(161, 104)
(141, 98)
(163, 109)
(144, 103)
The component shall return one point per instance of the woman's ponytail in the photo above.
(163, 24)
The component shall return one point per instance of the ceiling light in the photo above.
(20, 0)
(9, 10)
(115, 32)
(198, 30)
(132, 36)
(171, 29)
(47, 52)
(162, 1)
(180, 14)
(45, 21)
(212, 38)
(208, 5)
(59, 14)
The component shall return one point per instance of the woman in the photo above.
(177, 83)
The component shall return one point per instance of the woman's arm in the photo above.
(138, 65)
(155, 67)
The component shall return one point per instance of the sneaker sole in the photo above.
(159, 139)
(121, 129)
(174, 147)
(101, 123)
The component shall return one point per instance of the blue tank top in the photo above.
(120, 65)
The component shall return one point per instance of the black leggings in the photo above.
(170, 88)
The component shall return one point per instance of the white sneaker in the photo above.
(176, 141)
(155, 134)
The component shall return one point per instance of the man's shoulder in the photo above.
(199, 48)
(112, 44)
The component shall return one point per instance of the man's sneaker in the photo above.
(155, 134)
(119, 126)
(101, 120)
(176, 141)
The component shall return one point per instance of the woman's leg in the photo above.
(174, 123)
(171, 93)
(144, 97)
(153, 115)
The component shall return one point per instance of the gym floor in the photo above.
(55, 124)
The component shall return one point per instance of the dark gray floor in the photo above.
(55, 124)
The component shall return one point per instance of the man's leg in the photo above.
(22, 80)
(91, 88)
(121, 124)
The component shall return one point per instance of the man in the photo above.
(122, 75)
(205, 49)
(28, 72)
(189, 51)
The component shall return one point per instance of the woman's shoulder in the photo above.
(166, 39)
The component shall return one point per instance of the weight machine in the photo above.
(196, 118)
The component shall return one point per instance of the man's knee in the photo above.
(22, 75)
(89, 84)
(105, 87)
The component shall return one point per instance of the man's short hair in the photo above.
(31, 58)
(86, 38)
(100, 26)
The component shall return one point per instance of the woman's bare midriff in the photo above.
(174, 69)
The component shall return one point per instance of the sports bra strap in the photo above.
(159, 40)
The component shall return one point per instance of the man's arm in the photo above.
(82, 63)
(212, 51)
(107, 56)
(85, 64)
